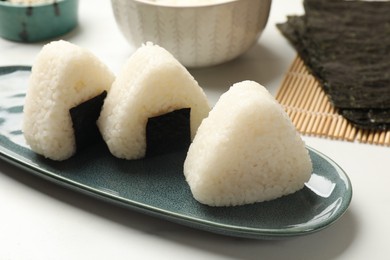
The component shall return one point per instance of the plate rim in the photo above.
(239, 231)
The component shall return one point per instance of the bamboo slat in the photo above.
(312, 114)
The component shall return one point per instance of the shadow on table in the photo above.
(259, 64)
(329, 243)
(326, 244)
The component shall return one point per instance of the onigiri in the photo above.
(151, 83)
(247, 150)
(63, 76)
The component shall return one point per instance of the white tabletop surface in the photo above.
(41, 220)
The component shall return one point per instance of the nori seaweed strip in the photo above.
(355, 86)
(367, 118)
(168, 132)
(84, 118)
(346, 45)
(352, 52)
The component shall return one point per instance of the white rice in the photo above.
(151, 83)
(247, 150)
(63, 76)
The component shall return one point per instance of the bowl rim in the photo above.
(151, 3)
(22, 5)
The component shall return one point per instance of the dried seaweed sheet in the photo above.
(346, 45)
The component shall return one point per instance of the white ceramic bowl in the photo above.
(197, 35)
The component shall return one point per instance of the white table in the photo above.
(41, 220)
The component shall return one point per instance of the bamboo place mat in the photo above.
(312, 113)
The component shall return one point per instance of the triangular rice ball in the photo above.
(246, 150)
(151, 83)
(63, 76)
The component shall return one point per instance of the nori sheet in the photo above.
(169, 132)
(346, 45)
(84, 117)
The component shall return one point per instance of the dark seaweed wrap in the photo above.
(169, 132)
(84, 117)
(346, 45)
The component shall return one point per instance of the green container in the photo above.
(38, 22)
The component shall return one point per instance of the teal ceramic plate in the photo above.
(157, 186)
